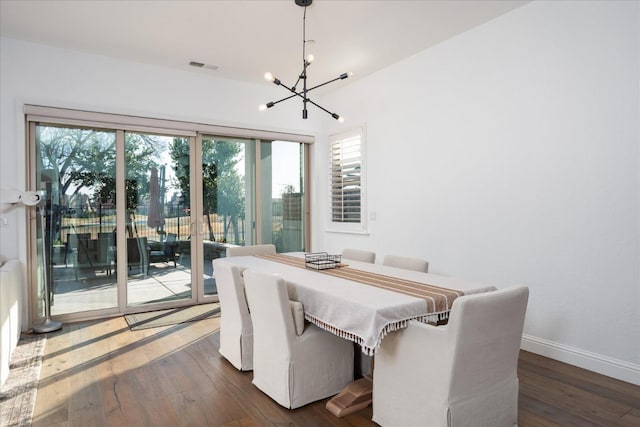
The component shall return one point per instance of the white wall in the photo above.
(510, 154)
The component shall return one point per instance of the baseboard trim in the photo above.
(604, 365)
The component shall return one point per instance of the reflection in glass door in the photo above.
(157, 224)
(226, 200)
(75, 171)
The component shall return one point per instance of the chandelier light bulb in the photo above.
(341, 119)
(262, 107)
(310, 58)
(269, 77)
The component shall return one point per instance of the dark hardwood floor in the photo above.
(100, 373)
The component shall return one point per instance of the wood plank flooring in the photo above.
(100, 373)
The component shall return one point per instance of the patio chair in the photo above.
(73, 246)
(138, 254)
(168, 251)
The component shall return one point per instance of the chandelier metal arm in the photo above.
(271, 104)
(340, 77)
(334, 115)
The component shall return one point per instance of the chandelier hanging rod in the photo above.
(306, 61)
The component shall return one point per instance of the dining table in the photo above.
(362, 302)
(342, 301)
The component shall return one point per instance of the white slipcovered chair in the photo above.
(236, 329)
(293, 367)
(359, 255)
(266, 249)
(408, 263)
(460, 374)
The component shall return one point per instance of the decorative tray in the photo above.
(322, 261)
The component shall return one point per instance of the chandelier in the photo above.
(302, 77)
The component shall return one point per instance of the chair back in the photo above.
(267, 249)
(169, 247)
(407, 263)
(359, 255)
(74, 238)
(292, 370)
(104, 247)
(133, 251)
(87, 252)
(233, 301)
(487, 331)
(143, 251)
(143, 247)
(270, 311)
(236, 329)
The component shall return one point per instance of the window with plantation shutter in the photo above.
(346, 181)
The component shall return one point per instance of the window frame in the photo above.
(360, 227)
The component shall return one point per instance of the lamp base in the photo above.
(48, 326)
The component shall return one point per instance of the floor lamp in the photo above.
(32, 198)
(48, 325)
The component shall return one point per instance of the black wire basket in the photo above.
(322, 261)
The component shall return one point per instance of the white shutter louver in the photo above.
(345, 180)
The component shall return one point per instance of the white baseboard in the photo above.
(604, 365)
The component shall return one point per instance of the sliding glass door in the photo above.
(91, 265)
(158, 218)
(75, 172)
(132, 219)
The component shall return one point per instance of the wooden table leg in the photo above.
(354, 397)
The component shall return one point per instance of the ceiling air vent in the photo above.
(203, 65)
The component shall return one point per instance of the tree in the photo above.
(141, 153)
(71, 157)
(81, 162)
(222, 187)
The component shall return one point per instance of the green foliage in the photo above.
(220, 179)
(82, 162)
(77, 159)
(222, 186)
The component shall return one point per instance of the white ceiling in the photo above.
(247, 38)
